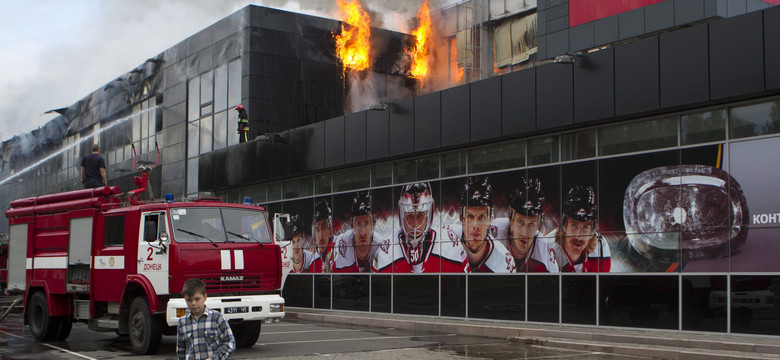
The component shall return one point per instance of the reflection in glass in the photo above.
(382, 174)
(703, 127)
(543, 150)
(453, 295)
(234, 83)
(206, 134)
(381, 290)
(638, 136)
(356, 178)
(704, 303)
(453, 163)
(543, 293)
(220, 88)
(322, 291)
(193, 99)
(416, 169)
(297, 290)
(754, 120)
(322, 184)
(220, 130)
(192, 176)
(496, 157)
(755, 304)
(578, 301)
(497, 297)
(644, 301)
(206, 88)
(416, 294)
(578, 145)
(350, 292)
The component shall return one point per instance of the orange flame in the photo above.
(456, 73)
(422, 43)
(352, 45)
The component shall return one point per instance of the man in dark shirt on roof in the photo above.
(93, 169)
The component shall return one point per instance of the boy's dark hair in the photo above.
(193, 286)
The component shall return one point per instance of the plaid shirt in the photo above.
(206, 337)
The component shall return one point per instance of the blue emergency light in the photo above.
(247, 200)
(169, 198)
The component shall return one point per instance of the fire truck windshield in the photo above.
(219, 225)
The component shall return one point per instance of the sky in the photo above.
(53, 53)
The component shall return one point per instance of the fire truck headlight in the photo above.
(277, 307)
(180, 312)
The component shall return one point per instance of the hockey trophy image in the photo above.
(685, 213)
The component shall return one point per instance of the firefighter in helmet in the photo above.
(243, 123)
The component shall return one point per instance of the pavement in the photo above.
(657, 344)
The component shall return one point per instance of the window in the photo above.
(703, 127)
(578, 145)
(495, 157)
(543, 150)
(638, 136)
(114, 231)
(754, 120)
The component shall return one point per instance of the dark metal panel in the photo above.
(274, 42)
(737, 7)
(736, 56)
(401, 125)
(173, 153)
(175, 187)
(172, 171)
(541, 21)
(269, 163)
(594, 86)
(355, 137)
(199, 41)
(296, 149)
(174, 115)
(541, 47)
(318, 72)
(756, 5)
(605, 31)
(486, 109)
(268, 18)
(581, 37)
(636, 77)
(455, 115)
(427, 121)
(377, 137)
(772, 47)
(273, 66)
(175, 94)
(230, 25)
(206, 170)
(688, 11)
(220, 168)
(557, 11)
(334, 141)
(558, 24)
(554, 96)
(659, 16)
(228, 49)
(557, 43)
(631, 23)
(714, 8)
(315, 148)
(201, 61)
(684, 66)
(518, 102)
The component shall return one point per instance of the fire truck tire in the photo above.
(42, 326)
(246, 333)
(145, 333)
(64, 325)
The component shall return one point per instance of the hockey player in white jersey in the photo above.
(356, 247)
(520, 231)
(578, 245)
(483, 253)
(301, 258)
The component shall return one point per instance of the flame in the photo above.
(456, 73)
(422, 43)
(352, 45)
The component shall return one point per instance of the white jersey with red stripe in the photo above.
(599, 260)
(541, 256)
(438, 256)
(346, 259)
(497, 258)
(307, 259)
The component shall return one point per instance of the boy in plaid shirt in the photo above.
(202, 333)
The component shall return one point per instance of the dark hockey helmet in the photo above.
(361, 204)
(477, 191)
(296, 224)
(580, 203)
(527, 198)
(322, 212)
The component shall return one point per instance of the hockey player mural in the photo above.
(301, 258)
(356, 247)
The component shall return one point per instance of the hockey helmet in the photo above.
(580, 203)
(477, 191)
(322, 212)
(297, 224)
(527, 198)
(361, 204)
(416, 198)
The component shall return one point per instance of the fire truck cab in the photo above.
(118, 266)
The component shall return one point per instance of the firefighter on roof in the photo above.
(243, 124)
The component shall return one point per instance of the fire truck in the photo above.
(118, 264)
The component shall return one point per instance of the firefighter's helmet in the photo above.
(239, 107)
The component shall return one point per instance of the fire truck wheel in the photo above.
(42, 326)
(64, 325)
(145, 335)
(246, 333)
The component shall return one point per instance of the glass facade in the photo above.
(664, 212)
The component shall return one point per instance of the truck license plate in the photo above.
(237, 310)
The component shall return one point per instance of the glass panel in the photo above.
(275, 191)
(543, 298)
(220, 88)
(416, 294)
(234, 83)
(193, 139)
(206, 88)
(352, 179)
(322, 184)
(639, 301)
(638, 136)
(206, 109)
(192, 175)
(193, 99)
(496, 297)
(704, 303)
(381, 290)
(453, 295)
(350, 292)
(578, 145)
(754, 304)
(220, 130)
(298, 187)
(703, 127)
(322, 291)
(496, 157)
(543, 150)
(579, 300)
(297, 290)
(206, 134)
(137, 128)
(416, 169)
(382, 174)
(453, 163)
(754, 120)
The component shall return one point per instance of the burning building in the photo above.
(653, 122)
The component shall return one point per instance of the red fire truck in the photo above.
(118, 264)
